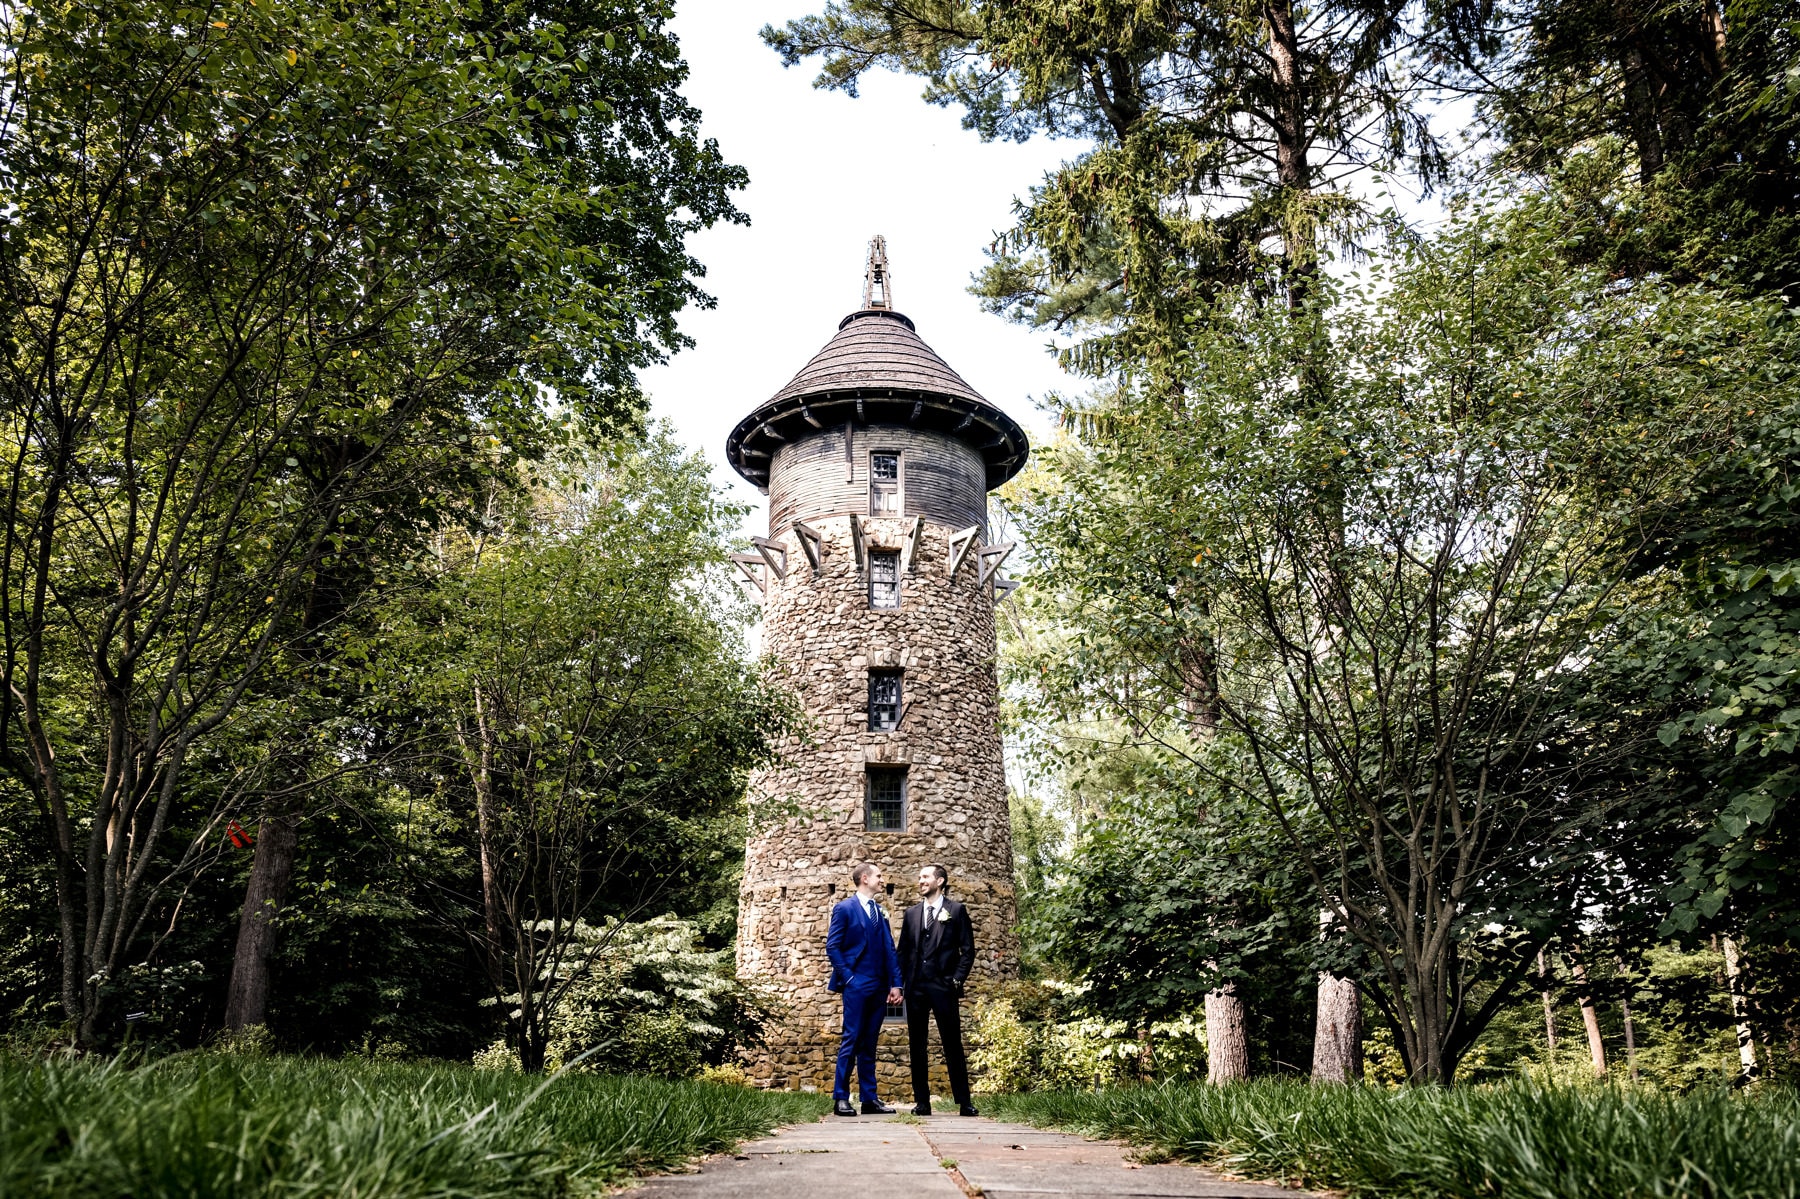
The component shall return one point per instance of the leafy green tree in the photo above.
(1220, 130)
(1730, 655)
(1676, 125)
(1407, 695)
(576, 678)
(280, 286)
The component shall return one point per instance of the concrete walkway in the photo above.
(942, 1157)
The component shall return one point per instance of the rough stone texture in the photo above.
(807, 813)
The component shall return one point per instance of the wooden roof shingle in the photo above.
(877, 348)
(877, 370)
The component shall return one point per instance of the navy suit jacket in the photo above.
(857, 945)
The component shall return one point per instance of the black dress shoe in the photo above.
(968, 1109)
(921, 1109)
(875, 1107)
(843, 1108)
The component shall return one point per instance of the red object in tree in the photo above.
(239, 837)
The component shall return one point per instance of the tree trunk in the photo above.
(271, 869)
(1227, 1049)
(1293, 170)
(1589, 1017)
(1630, 1038)
(481, 771)
(1738, 985)
(1337, 1031)
(1198, 665)
(1549, 1002)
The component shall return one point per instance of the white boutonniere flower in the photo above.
(943, 916)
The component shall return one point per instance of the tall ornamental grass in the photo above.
(1522, 1140)
(202, 1126)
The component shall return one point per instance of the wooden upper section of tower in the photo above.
(877, 371)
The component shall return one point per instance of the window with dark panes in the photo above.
(884, 578)
(884, 484)
(884, 810)
(884, 700)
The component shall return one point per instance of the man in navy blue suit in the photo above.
(866, 969)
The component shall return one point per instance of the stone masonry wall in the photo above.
(825, 638)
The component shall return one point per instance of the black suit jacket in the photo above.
(945, 953)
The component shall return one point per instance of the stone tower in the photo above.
(879, 590)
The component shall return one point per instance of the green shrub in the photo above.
(729, 1074)
(648, 1000)
(499, 1056)
(670, 1042)
(1012, 1053)
(655, 1002)
(1514, 1139)
(254, 1040)
(1003, 1049)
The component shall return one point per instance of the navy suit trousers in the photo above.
(865, 1007)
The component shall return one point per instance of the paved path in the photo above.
(875, 1157)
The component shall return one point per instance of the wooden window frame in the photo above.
(870, 774)
(894, 557)
(899, 483)
(879, 674)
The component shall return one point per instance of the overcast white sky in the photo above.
(826, 173)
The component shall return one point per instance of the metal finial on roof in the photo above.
(878, 285)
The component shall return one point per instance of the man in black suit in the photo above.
(937, 951)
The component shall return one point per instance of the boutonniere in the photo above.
(943, 915)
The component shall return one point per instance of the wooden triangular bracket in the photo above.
(909, 553)
(752, 565)
(961, 542)
(859, 542)
(990, 557)
(1003, 589)
(774, 553)
(811, 544)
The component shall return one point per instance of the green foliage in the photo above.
(1682, 1027)
(1010, 1054)
(283, 288)
(1015, 1052)
(1036, 841)
(574, 683)
(1221, 138)
(1729, 655)
(1374, 640)
(1674, 125)
(1521, 1138)
(207, 1125)
(365, 955)
(652, 1001)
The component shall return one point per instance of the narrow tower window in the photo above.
(884, 578)
(884, 810)
(884, 484)
(884, 700)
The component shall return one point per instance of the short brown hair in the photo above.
(943, 875)
(861, 872)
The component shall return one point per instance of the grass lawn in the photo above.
(1519, 1140)
(203, 1125)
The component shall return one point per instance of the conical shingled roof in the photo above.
(877, 370)
(877, 348)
